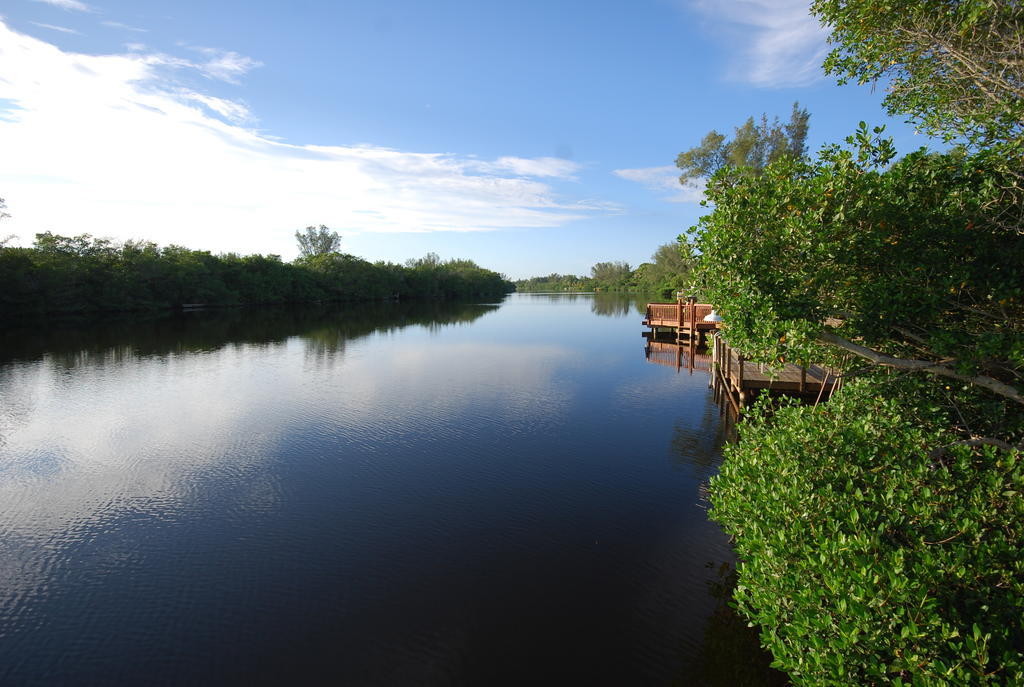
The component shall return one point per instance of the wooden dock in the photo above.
(743, 380)
(677, 339)
(684, 318)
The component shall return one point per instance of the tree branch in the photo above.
(940, 451)
(884, 360)
(972, 309)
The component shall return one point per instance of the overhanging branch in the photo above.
(941, 451)
(884, 360)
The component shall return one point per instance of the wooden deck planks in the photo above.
(743, 376)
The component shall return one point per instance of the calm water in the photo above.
(383, 495)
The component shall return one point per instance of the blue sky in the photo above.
(532, 137)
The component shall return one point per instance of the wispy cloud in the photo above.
(532, 167)
(229, 109)
(663, 179)
(115, 146)
(73, 5)
(54, 27)
(126, 27)
(777, 42)
(225, 65)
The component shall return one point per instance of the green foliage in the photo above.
(555, 282)
(432, 277)
(669, 270)
(912, 256)
(315, 242)
(955, 67)
(611, 276)
(754, 146)
(81, 274)
(881, 531)
(876, 549)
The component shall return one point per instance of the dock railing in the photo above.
(738, 375)
(684, 314)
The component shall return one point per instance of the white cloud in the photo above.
(779, 43)
(665, 178)
(53, 27)
(74, 5)
(532, 167)
(225, 65)
(113, 146)
(229, 109)
(126, 27)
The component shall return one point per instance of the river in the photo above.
(385, 494)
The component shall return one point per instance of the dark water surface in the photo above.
(382, 495)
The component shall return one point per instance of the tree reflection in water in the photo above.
(69, 344)
(730, 653)
(619, 304)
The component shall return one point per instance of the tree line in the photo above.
(82, 275)
(667, 272)
(880, 533)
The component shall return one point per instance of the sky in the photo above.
(530, 136)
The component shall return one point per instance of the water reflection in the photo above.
(730, 653)
(619, 304)
(678, 355)
(337, 496)
(699, 445)
(115, 340)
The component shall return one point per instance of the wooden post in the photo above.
(714, 359)
(693, 349)
(803, 378)
(728, 361)
(693, 316)
(740, 383)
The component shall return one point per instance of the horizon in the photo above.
(530, 139)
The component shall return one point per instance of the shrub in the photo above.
(876, 551)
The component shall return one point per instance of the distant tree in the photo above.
(81, 245)
(427, 261)
(669, 269)
(3, 215)
(611, 274)
(754, 146)
(317, 241)
(555, 282)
